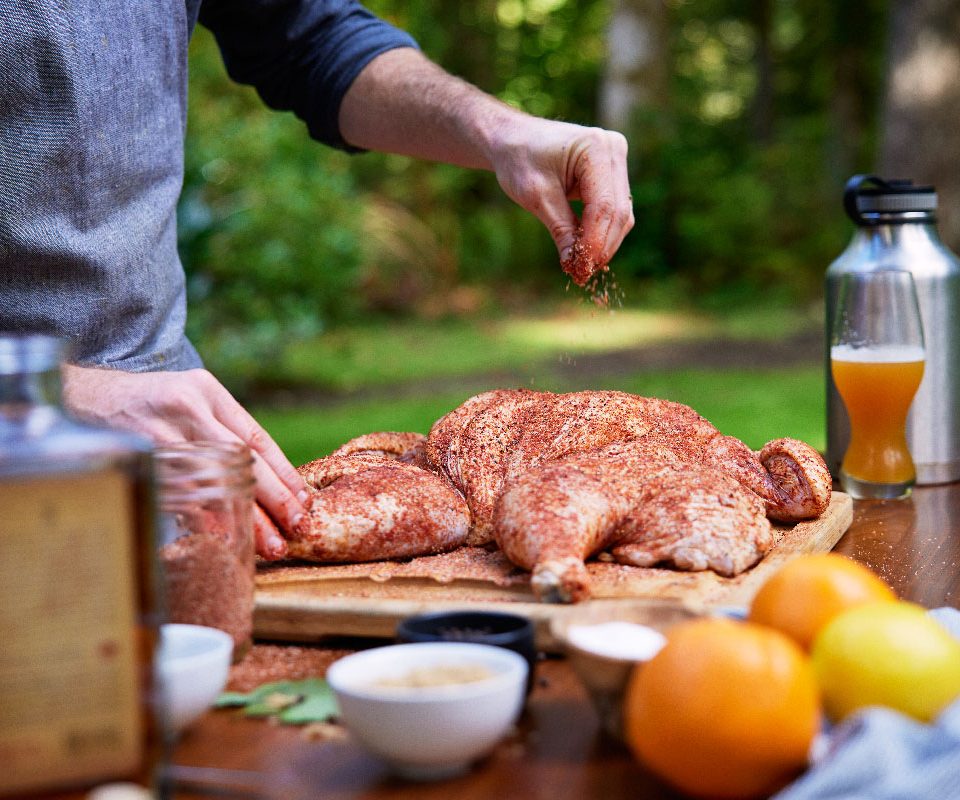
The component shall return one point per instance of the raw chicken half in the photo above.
(554, 479)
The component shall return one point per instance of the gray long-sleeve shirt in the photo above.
(92, 116)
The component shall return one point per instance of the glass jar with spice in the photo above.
(207, 560)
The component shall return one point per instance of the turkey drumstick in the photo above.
(551, 519)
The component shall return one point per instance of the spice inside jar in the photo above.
(205, 501)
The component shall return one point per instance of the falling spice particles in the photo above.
(207, 582)
(603, 290)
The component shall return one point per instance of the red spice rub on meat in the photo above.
(377, 508)
(554, 478)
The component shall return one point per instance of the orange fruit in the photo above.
(725, 710)
(809, 591)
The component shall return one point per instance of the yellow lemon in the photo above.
(890, 654)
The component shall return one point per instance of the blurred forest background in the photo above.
(372, 290)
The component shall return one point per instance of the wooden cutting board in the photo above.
(307, 602)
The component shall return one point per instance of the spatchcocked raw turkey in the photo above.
(555, 478)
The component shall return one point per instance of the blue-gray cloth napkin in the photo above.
(880, 754)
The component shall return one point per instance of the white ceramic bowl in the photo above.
(429, 732)
(192, 667)
(605, 676)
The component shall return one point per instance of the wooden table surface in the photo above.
(559, 751)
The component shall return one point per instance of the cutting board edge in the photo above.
(275, 618)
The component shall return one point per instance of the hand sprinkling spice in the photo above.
(580, 264)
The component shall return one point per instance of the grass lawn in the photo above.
(386, 353)
(382, 364)
(754, 406)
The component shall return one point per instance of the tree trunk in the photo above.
(637, 70)
(855, 83)
(922, 103)
(761, 16)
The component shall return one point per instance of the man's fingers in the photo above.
(589, 164)
(260, 442)
(269, 543)
(622, 220)
(548, 202)
(172, 407)
(280, 489)
(235, 417)
(269, 489)
(226, 420)
(284, 507)
(277, 506)
(604, 187)
(275, 496)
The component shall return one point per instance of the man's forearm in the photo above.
(404, 103)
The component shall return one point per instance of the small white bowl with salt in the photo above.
(605, 640)
(430, 709)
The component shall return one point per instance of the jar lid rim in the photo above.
(190, 466)
(202, 447)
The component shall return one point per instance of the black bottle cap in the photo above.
(869, 200)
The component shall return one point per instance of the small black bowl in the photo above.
(478, 627)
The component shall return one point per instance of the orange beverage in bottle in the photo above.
(877, 385)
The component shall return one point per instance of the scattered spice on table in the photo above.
(270, 662)
(324, 732)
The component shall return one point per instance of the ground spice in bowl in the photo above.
(437, 675)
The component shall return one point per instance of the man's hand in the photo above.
(403, 103)
(542, 165)
(171, 407)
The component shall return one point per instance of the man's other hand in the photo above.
(172, 407)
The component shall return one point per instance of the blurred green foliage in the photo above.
(734, 212)
(518, 349)
(736, 200)
(268, 223)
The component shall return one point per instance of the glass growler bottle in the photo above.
(78, 618)
(896, 229)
